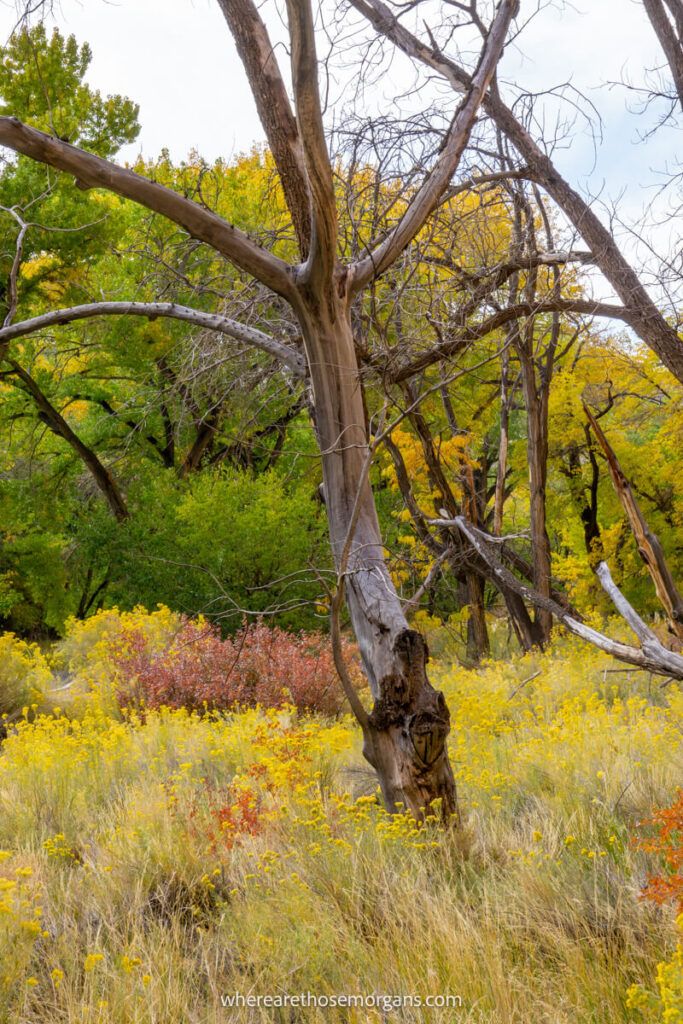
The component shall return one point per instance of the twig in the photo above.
(528, 679)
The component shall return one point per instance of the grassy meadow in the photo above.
(155, 861)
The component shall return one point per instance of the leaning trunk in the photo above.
(501, 473)
(649, 545)
(405, 735)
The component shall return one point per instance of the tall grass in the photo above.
(155, 863)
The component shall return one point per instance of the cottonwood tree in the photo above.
(405, 734)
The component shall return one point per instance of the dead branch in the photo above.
(152, 310)
(651, 655)
(92, 171)
(649, 546)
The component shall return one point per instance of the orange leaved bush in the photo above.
(666, 840)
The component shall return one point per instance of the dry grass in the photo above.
(153, 866)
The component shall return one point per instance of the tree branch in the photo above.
(644, 316)
(13, 283)
(474, 332)
(649, 545)
(413, 603)
(323, 250)
(274, 110)
(670, 44)
(502, 271)
(430, 193)
(92, 171)
(59, 426)
(652, 655)
(152, 310)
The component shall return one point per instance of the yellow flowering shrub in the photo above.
(20, 929)
(174, 855)
(86, 651)
(665, 1006)
(24, 674)
(563, 724)
(87, 656)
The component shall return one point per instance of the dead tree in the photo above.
(649, 546)
(651, 655)
(405, 734)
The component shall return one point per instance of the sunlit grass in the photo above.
(154, 863)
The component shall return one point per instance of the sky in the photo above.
(176, 59)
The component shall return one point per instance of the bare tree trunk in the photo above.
(201, 446)
(474, 486)
(537, 454)
(478, 645)
(526, 630)
(501, 472)
(586, 498)
(405, 735)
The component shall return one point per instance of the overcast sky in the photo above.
(176, 59)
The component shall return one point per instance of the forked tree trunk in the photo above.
(405, 734)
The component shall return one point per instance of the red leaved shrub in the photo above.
(221, 816)
(667, 841)
(259, 665)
